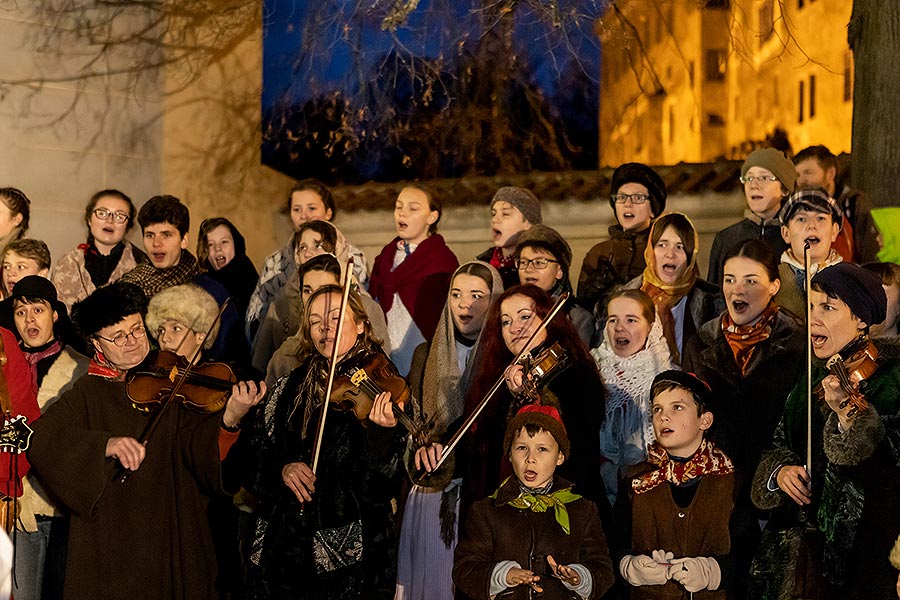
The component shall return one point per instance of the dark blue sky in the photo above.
(313, 48)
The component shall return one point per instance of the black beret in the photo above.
(858, 288)
(640, 173)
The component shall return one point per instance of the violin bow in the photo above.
(122, 474)
(332, 368)
(454, 441)
(809, 353)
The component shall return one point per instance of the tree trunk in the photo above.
(874, 37)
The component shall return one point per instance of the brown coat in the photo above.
(700, 529)
(495, 532)
(613, 262)
(149, 537)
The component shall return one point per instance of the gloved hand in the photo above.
(662, 557)
(643, 570)
(696, 573)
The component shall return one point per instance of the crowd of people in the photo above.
(178, 425)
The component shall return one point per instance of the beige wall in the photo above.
(64, 139)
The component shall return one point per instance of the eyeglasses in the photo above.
(759, 178)
(104, 213)
(538, 263)
(121, 338)
(635, 198)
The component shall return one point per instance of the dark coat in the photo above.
(495, 531)
(855, 510)
(742, 231)
(749, 407)
(149, 537)
(580, 393)
(608, 264)
(349, 518)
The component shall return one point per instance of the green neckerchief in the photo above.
(541, 502)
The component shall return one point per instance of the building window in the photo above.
(799, 3)
(715, 65)
(766, 21)
(776, 91)
(715, 120)
(848, 77)
(800, 95)
(691, 71)
(812, 96)
(671, 124)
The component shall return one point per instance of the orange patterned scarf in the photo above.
(707, 460)
(742, 339)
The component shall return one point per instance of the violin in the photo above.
(355, 390)
(549, 363)
(852, 366)
(206, 387)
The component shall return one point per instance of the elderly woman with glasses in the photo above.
(106, 255)
(543, 258)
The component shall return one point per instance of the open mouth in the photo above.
(666, 431)
(812, 240)
(496, 234)
(402, 225)
(158, 257)
(739, 306)
(669, 269)
(621, 342)
(32, 332)
(530, 475)
(109, 230)
(819, 340)
(628, 215)
(220, 261)
(531, 280)
(465, 319)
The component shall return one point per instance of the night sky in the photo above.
(317, 52)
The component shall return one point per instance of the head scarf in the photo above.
(664, 295)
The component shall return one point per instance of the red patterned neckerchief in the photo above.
(742, 339)
(707, 460)
(101, 367)
(499, 261)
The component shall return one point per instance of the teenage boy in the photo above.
(808, 217)
(22, 258)
(513, 210)
(637, 196)
(542, 258)
(165, 222)
(768, 178)
(533, 534)
(680, 502)
(850, 494)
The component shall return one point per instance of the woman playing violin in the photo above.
(148, 537)
(577, 390)
(851, 491)
(327, 534)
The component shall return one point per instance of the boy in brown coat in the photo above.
(533, 533)
(681, 499)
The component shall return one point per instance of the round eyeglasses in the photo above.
(121, 338)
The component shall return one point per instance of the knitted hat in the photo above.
(858, 288)
(525, 200)
(545, 417)
(107, 306)
(774, 161)
(814, 199)
(548, 239)
(696, 386)
(644, 175)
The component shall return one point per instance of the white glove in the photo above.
(642, 570)
(662, 557)
(696, 573)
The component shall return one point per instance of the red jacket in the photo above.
(17, 373)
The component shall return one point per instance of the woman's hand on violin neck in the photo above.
(382, 412)
(127, 450)
(244, 396)
(300, 479)
(835, 395)
(427, 457)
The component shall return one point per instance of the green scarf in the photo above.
(541, 502)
